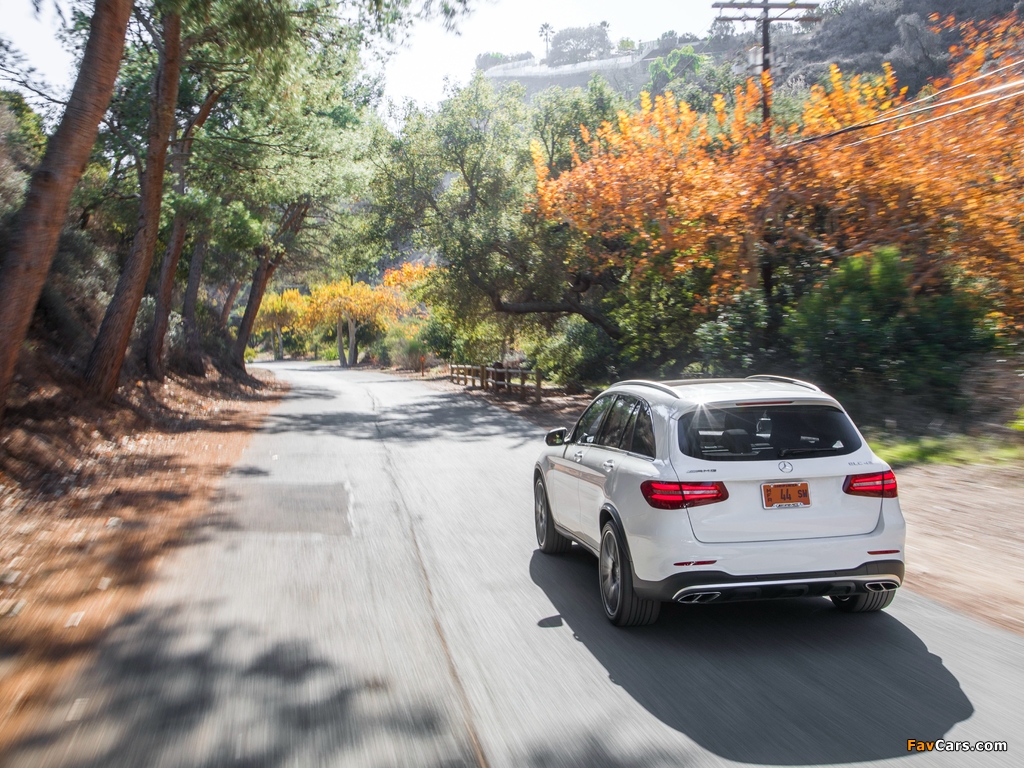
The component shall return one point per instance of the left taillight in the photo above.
(877, 484)
(664, 495)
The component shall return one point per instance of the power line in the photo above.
(902, 107)
(889, 117)
(935, 119)
(938, 93)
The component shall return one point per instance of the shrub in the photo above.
(441, 339)
(404, 343)
(576, 351)
(735, 342)
(865, 326)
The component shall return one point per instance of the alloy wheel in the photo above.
(540, 512)
(611, 573)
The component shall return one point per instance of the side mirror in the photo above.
(556, 436)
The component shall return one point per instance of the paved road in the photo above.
(366, 592)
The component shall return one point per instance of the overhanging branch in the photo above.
(567, 306)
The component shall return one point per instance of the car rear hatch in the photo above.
(784, 467)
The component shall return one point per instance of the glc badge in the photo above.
(785, 466)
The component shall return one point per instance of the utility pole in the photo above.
(765, 19)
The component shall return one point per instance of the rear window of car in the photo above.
(755, 433)
(643, 432)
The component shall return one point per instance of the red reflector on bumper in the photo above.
(884, 552)
(697, 562)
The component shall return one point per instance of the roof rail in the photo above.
(786, 379)
(684, 382)
(644, 383)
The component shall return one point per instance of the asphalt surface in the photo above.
(366, 591)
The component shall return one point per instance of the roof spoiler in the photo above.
(785, 379)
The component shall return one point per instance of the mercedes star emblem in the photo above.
(785, 466)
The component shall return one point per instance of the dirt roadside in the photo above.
(965, 535)
(91, 498)
(965, 522)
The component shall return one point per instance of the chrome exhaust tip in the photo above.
(699, 597)
(881, 586)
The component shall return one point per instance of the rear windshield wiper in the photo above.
(795, 451)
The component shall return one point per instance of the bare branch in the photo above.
(157, 39)
(115, 129)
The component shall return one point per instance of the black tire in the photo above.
(622, 606)
(862, 603)
(550, 541)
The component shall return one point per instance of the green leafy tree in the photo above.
(692, 77)
(578, 44)
(268, 32)
(27, 138)
(457, 182)
(558, 113)
(678, 64)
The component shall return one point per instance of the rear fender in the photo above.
(610, 514)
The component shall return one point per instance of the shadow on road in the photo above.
(429, 417)
(161, 695)
(787, 682)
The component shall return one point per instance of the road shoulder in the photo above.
(91, 498)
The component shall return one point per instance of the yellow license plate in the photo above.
(780, 495)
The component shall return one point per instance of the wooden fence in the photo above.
(496, 379)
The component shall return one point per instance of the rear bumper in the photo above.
(659, 542)
(720, 587)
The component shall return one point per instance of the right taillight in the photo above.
(877, 484)
(679, 495)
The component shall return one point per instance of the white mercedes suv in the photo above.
(715, 490)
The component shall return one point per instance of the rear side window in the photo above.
(589, 425)
(617, 420)
(643, 432)
(755, 433)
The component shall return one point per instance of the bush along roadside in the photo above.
(867, 325)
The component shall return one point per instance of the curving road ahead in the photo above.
(366, 592)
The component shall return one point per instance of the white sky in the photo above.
(511, 26)
(418, 69)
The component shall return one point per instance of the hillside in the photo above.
(858, 35)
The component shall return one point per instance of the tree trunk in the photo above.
(229, 304)
(104, 368)
(291, 222)
(39, 222)
(193, 350)
(165, 289)
(260, 279)
(353, 352)
(342, 359)
(164, 294)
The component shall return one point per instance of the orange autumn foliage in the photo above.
(940, 176)
(332, 303)
(407, 276)
(364, 303)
